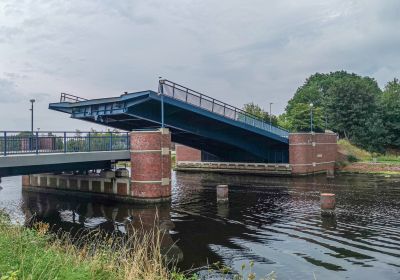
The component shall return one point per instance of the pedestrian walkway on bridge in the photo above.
(23, 152)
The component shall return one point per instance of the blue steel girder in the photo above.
(190, 125)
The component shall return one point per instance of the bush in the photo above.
(352, 158)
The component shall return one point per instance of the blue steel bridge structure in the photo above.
(223, 132)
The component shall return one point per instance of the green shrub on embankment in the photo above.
(353, 152)
(34, 253)
(356, 154)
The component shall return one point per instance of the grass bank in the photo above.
(34, 253)
(357, 160)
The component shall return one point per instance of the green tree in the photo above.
(350, 103)
(257, 111)
(284, 121)
(300, 118)
(390, 110)
(347, 104)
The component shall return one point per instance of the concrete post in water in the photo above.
(223, 210)
(330, 173)
(26, 180)
(222, 193)
(151, 165)
(328, 203)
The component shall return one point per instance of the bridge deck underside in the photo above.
(228, 140)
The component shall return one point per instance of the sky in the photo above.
(236, 51)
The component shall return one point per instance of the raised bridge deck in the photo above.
(227, 133)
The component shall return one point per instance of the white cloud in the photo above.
(8, 91)
(238, 51)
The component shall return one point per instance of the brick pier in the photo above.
(311, 153)
(148, 182)
(151, 165)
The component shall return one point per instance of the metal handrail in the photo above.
(65, 97)
(229, 111)
(45, 142)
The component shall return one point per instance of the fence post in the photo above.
(65, 142)
(37, 142)
(5, 143)
(111, 141)
(89, 145)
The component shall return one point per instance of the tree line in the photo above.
(346, 103)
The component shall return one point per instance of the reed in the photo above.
(36, 253)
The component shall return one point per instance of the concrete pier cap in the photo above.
(222, 193)
(328, 203)
(151, 165)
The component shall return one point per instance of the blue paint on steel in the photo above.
(194, 119)
(237, 113)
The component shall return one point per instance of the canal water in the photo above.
(274, 222)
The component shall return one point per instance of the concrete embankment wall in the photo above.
(86, 185)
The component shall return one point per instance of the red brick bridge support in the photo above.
(151, 165)
(311, 153)
(185, 153)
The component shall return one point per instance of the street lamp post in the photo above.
(162, 101)
(31, 138)
(270, 115)
(326, 122)
(311, 116)
(31, 109)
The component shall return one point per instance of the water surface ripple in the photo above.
(274, 222)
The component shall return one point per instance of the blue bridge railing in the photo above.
(44, 142)
(203, 101)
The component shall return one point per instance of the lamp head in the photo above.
(311, 105)
(32, 100)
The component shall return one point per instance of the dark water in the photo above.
(275, 222)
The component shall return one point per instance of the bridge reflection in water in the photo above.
(275, 222)
(77, 214)
(190, 228)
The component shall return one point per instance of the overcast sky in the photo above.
(237, 51)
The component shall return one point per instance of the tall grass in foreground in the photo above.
(37, 254)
